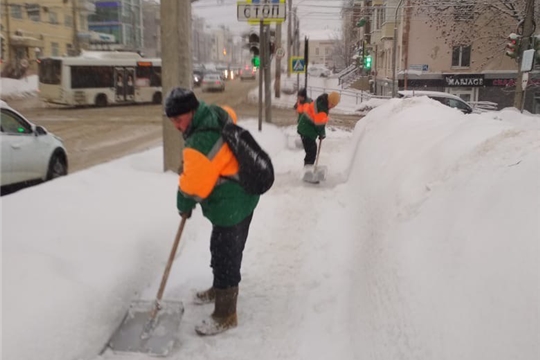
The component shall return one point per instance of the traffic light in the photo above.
(2, 49)
(367, 62)
(254, 44)
(512, 46)
(254, 49)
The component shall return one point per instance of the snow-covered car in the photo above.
(213, 81)
(319, 70)
(29, 152)
(447, 99)
(248, 72)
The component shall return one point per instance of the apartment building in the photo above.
(438, 52)
(323, 52)
(45, 28)
(122, 19)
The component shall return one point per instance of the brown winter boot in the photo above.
(224, 316)
(205, 297)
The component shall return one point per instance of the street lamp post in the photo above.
(394, 52)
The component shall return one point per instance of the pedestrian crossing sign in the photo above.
(298, 65)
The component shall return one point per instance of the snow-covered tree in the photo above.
(486, 24)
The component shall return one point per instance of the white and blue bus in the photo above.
(100, 78)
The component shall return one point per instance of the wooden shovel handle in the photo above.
(317, 158)
(168, 267)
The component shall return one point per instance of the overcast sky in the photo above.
(319, 19)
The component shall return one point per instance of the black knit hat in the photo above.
(302, 92)
(180, 101)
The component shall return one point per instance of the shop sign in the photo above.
(464, 80)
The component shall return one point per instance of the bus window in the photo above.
(149, 75)
(83, 77)
(50, 71)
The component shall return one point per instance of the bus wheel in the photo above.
(101, 100)
(157, 98)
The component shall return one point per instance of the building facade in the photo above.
(32, 30)
(323, 52)
(122, 19)
(202, 41)
(433, 56)
(152, 29)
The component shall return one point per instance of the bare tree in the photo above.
(349, 32)
(468, 22)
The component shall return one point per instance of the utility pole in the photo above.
(394, 51)
(277, 84)
(267, 76)
(175, 70)
(8, 31)
(261, 71)
(289, 38)
(528, 28)
(76, 43)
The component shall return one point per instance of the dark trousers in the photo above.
(310, 146)
(226, 246)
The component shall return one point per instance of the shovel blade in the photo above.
(315, 176)
(135, 336)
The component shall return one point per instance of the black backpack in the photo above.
(256, 172)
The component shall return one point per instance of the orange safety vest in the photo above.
(311, 112)
(201, 173)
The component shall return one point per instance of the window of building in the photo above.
(536, 109)
(55, 49)
(105, 12)
(16, 11)
(463, 11)
(316, 51)
(326, 51)
(33, 11)
(381, 14)
(461, 56)
(68, 20)
(53, 17)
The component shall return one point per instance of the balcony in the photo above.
(86, 7)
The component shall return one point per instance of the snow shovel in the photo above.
(151, 327)
(318, 173)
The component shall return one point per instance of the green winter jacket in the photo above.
(227, 203)
(312, 121)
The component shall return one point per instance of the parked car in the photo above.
(29, 152)
(447, 99)
(212, 82)
(319, 70)
(248, 72)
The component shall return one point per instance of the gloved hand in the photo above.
(322, 137)
(186, 214)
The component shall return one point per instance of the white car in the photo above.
(29, 152)
(447, 99)
(318, 70)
